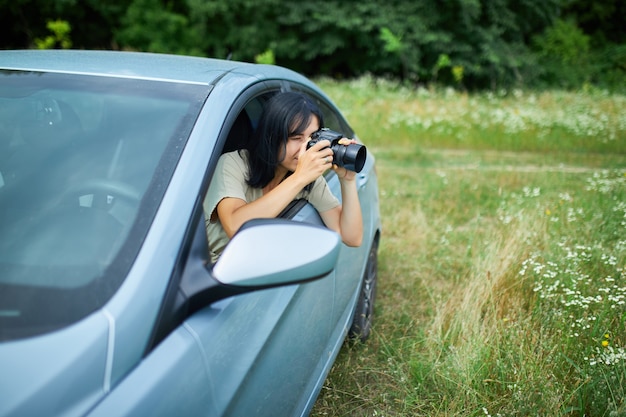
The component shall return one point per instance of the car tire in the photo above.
(364, 311)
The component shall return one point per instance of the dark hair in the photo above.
(285, 114)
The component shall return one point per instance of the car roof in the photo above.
(141, 65)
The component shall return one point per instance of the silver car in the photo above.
(108, 303)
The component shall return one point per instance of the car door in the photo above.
(264, 351)
(253, 354)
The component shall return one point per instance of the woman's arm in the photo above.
(234, 212)
(347, 219)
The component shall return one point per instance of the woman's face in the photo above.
(296, 144)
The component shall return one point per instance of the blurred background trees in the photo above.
(469, 44)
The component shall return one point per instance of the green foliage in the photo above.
(487, 43)
(392, 43)
(564, 42)
(150, 26)
(442, 62)
(266, 57)
(457, 73)
(237, 29)
(603, 20)
(60, 36)
(564, 50)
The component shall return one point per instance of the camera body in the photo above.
(351, 157)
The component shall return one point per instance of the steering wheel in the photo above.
(103, 193)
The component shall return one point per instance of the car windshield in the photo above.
(84, 162)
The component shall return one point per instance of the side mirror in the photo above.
(264, 253)
(269, 253)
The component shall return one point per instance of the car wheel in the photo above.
(364, 312)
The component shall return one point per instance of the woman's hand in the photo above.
(342, 173)
(314, 161)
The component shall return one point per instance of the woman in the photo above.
(276, 169)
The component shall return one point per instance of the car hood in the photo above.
(72, 362)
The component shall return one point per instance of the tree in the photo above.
(60, 36)
(155, 26)
(485, 43)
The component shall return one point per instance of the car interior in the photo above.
(65, 181)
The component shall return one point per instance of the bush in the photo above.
(564, 51)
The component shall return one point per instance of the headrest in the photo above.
(49, 122)
(240, 133)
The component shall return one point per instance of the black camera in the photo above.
(351, 157)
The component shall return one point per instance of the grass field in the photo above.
(502, 281)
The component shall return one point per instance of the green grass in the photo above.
(502, 288)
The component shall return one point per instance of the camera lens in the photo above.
(352, 157)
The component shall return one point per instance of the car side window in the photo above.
(244, 119)
(332, 118)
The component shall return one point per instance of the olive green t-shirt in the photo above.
(229, 180)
